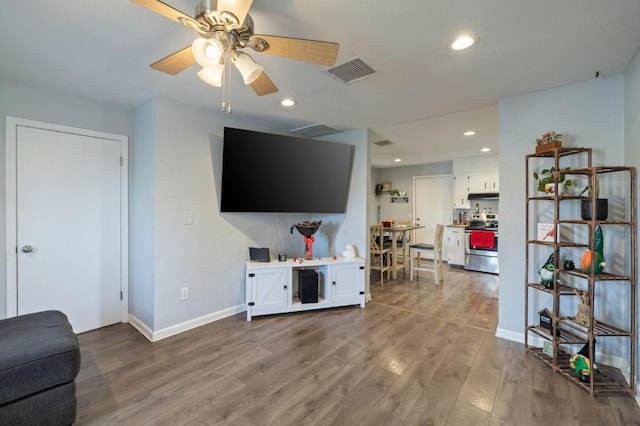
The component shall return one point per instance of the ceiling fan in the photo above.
(226, 28)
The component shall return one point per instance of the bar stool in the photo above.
(379, 256)
(436, 248)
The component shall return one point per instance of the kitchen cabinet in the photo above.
(454, 245)
(273, 287)
(461, 191)
(575, 311)
(483, 182)
(466, 183)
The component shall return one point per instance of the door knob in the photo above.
(27, 249)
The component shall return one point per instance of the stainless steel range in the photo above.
(481, 243)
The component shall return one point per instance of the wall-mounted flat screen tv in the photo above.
(264, 172)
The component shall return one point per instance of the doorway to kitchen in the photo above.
(432, 204)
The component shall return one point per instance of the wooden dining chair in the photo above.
(379, 256)
(403, 239)
(436, 249)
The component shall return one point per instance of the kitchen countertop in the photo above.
(457, 225)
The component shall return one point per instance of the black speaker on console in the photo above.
(308, 286)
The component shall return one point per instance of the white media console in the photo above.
(273, 287)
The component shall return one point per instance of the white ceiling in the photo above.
(422, 97)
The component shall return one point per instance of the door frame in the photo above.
(12, 124)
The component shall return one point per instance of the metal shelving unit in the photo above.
(568, 333)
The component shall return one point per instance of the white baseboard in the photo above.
(510, 335)
(141, 327)
(154, 336)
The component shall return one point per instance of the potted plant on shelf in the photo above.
(547, 183)
(602, 204)
(548, 141)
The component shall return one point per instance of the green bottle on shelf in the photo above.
(477, 208)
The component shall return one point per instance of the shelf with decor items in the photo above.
(580, 268)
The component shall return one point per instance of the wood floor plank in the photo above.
(467, 414)
(405, 392)
(417, 354)
(513, 403)
(481, 385)
(438, 399)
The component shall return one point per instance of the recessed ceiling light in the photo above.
(485, 149)
(469, 133)
(397, 160)
(463, 42)
(287, 102)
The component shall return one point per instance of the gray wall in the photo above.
(632, 146)
(142, 206)
(36, 103)
(178, 170)
(175, 167)
(589, 114)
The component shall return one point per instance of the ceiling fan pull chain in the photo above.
(228, 86)
(224, 86)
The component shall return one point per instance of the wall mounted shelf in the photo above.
(399, 199)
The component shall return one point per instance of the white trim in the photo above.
(11, 125)
(154, 336)
(143, 328)
(510, 335)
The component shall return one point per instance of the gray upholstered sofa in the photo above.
(39, 361)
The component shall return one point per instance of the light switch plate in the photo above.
(188, 218)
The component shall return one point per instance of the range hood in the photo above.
(483, 196)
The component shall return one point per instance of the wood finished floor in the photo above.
(416, 355)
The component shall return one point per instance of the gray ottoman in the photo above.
(39, 361)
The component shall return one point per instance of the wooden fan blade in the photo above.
(163, 9)
(319, 52)
(176, 62)
(239, 8)
(263, 85)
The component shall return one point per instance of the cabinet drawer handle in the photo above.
(334, 283)
(285, 287)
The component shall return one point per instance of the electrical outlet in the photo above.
(184, 293)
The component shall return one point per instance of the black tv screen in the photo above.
(264, 172)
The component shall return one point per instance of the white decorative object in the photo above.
(349, 252)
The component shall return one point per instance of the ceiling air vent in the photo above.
(383, 143)
(314, 130)
(351, 71)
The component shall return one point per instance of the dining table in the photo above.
(394, 232)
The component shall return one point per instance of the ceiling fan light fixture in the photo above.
(212, 75)
(207, 52)
(248, 68)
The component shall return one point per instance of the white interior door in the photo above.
(432, 204)
(69, 226)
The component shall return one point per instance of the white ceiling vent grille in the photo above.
(351, 71)
(314, 130)
(383, 143)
